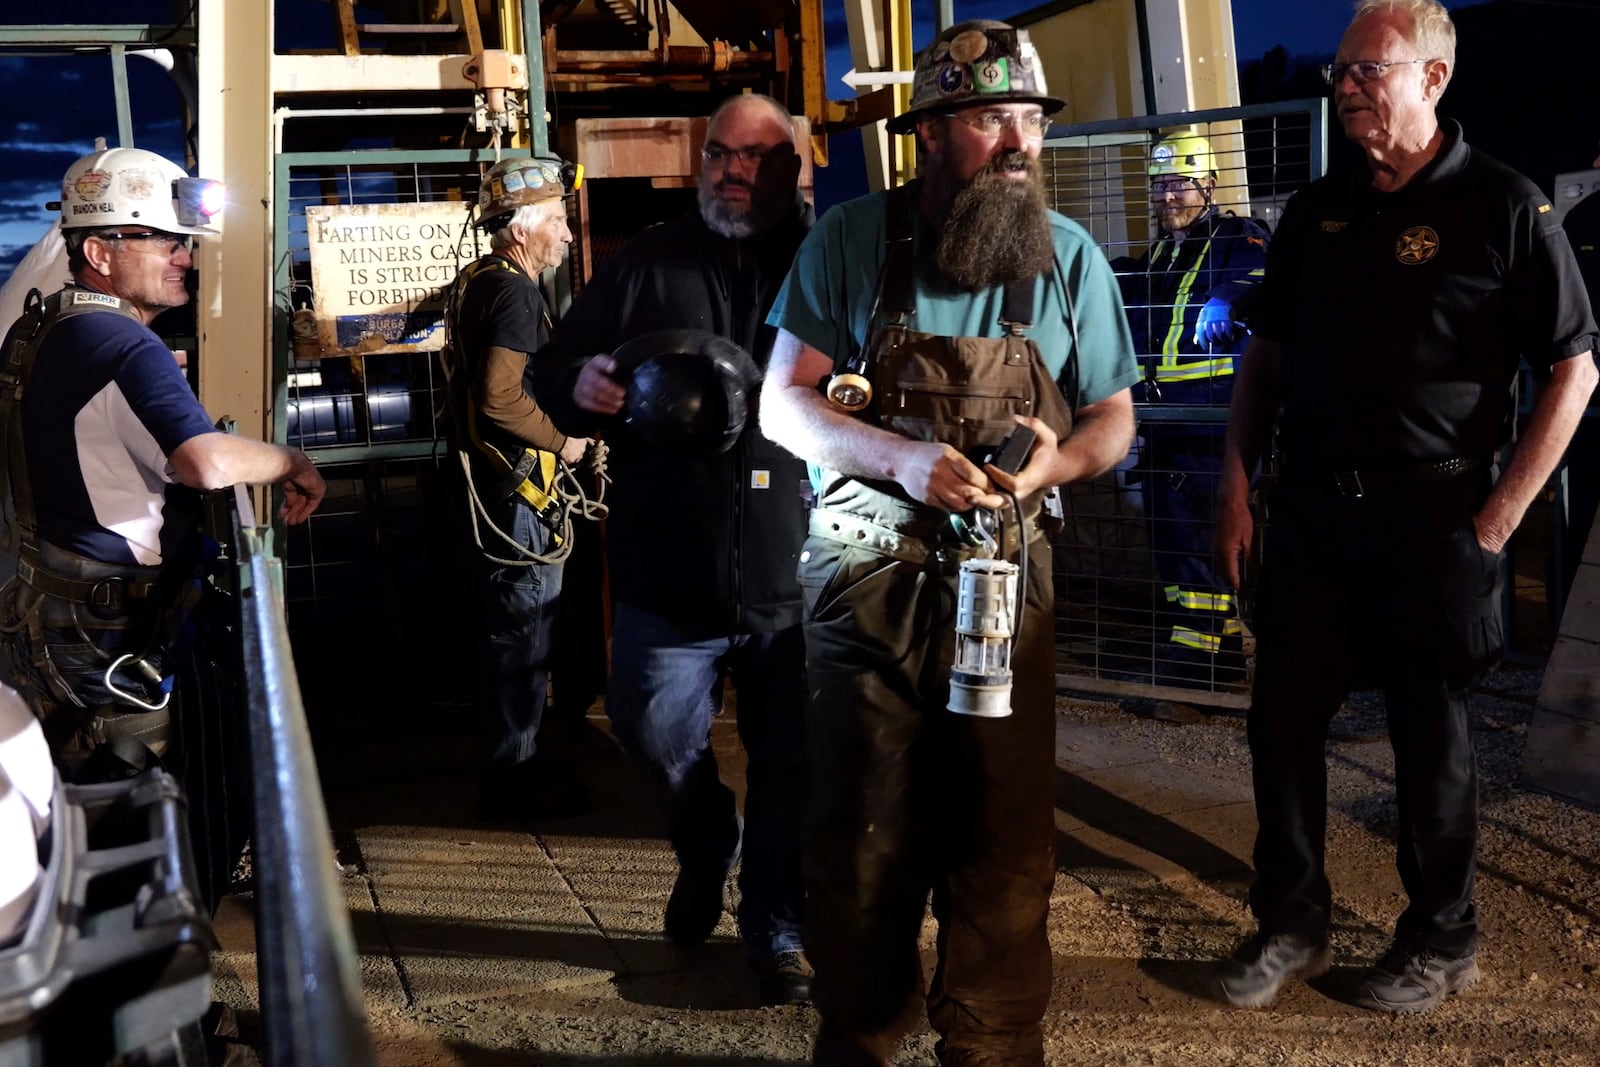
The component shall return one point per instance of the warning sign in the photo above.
(380, 271)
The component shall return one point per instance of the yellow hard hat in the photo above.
(1183, 153)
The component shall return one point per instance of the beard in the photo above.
(736, 220)
(997, 229)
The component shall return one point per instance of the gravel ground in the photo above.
(1135, 929)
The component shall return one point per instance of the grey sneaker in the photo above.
(1252, 976)
(1410, 978)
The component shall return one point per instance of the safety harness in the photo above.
(51, 581)
(538, 478)
(960, 391)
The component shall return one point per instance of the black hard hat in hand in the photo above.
(688, 390)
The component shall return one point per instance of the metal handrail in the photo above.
(310, 995)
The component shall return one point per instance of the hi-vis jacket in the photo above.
(1223, 255)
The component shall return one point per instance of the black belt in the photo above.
(1359, 483)
(108, 596)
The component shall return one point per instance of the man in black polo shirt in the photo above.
(1396, 305)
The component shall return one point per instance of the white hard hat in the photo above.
(132, 187)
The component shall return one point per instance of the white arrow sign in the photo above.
(856, 79)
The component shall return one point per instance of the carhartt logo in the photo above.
(1417, 245)
(1333, 227)
(1543, 208)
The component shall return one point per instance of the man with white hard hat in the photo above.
(108, 450)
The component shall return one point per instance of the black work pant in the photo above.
(1391, 589)
(907, 798)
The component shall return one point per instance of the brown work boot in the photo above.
(785, 978)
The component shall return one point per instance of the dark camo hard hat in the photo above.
(511, 183)
(977, 62)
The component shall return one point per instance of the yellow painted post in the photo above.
(897, 25)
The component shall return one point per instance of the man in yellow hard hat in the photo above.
(1185, 299)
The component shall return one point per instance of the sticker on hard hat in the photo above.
(993, 76)
(92, 184)
(512, 181)
(969, 46)
(953, 79)
(138, 184)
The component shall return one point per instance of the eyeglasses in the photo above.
(173, 242)
(717, 155)
(1364, 70)
(1173, 183)
(1032, 124)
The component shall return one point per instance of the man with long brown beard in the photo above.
(965, 308)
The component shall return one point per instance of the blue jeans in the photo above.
(516, 611)
(664, 690)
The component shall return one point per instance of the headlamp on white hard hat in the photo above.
(132, 187)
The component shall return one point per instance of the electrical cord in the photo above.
(566, 488)
(1022, 567)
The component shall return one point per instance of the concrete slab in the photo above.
(1113, 795)
(1103, 859)
(623, 885)
(470, 914)
(1208, 842)
(234, 964)
(1095, 747)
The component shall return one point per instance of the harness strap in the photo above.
(23, 341)
(531, 474)
(112, 595)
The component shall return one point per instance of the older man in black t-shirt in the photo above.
(495, 319)
(1396, 305)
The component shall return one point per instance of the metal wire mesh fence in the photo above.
(1183, 206)
(367, 242)
(364, 315)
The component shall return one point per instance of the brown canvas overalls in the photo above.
(908, 798)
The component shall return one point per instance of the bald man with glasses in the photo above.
(702, 547)
(1396, 305)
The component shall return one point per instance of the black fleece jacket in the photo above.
(709, 543)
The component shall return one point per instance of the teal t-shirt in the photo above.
(827, 299)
